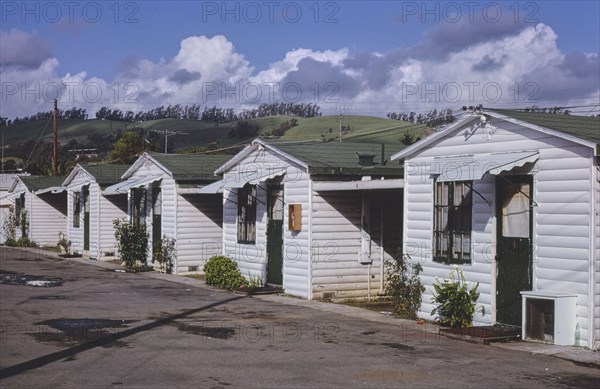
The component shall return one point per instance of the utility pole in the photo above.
(55, 140)
(168, 133)
(340, 127)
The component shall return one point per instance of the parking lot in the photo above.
(71, 324)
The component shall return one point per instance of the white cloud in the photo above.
(209, 70)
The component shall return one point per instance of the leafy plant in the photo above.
(165, 254)
(63, 245)
(223, 272)
(403, 286)
(132, 242)
(456, 300)
(255, 282)
(10, 227)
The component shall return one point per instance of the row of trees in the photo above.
(210, 114)
(431, 119)
(73, 113)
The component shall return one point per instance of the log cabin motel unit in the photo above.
(319, 219)
(161, 191)
(513, 199)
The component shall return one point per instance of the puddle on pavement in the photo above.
(399, 346)
(50, 297)
(215, 332)
(75, 331)
(11, 278)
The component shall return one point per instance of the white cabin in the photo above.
(311, 218)
(162, 192)
(90, 214)
(513, 199)
(41, 203)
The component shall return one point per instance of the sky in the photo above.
(349, 57)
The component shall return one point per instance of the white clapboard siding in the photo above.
(596, 278)
(562, 190)
(111, 208)
(296, 246)
(336, 241)
(168, 193)
(47, 217)
(75, 234)
(199, 231)
(252, 258)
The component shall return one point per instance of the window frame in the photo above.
(457, 216)
(246, 214)
(76, 209)
(138, 198)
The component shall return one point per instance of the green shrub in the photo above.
(164, 253)
(24, 241)
(132, 242)
(403, 286)
(456, 302)
(223, 272)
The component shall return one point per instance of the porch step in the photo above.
(484, 334)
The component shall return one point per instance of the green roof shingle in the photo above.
(34, 183)
(106, 175)
(191, 167)
(333, 158)
(582, 127)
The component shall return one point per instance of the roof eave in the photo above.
(418, 146)
(543, 129)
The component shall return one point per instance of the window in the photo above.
(452, 222)
(19, 207)
(246, 231)
(138, 206)
(76, 209)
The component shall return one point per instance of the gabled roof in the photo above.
(579, 129)
(327, 158)
(104, 175)
(35, 183)
(582, 127)
(182, 167)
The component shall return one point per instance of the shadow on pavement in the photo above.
(71, 351)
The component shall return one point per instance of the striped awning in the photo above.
(123, 187)
(475, 167)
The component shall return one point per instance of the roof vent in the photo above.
(366, 159)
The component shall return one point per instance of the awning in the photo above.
(240, 179)
(335, 186)
(12, 196)
(123, 187)
(474, 167)
(52, 189)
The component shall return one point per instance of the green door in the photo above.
(86, 218)
(275, 234)
(156, 220)
(514, 250)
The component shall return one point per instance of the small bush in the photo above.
(223, 272)
(23, 241)
(165, 254)
(403, 286)
(456, 302)
(132, 242)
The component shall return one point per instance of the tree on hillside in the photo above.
(129, 146)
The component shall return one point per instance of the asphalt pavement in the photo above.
(74, 323)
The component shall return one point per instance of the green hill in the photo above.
(197, 133)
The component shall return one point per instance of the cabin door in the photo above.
(275, 234)
(514, 249)
(86, 218)
(156, 220)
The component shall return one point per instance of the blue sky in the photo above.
(370, 56)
